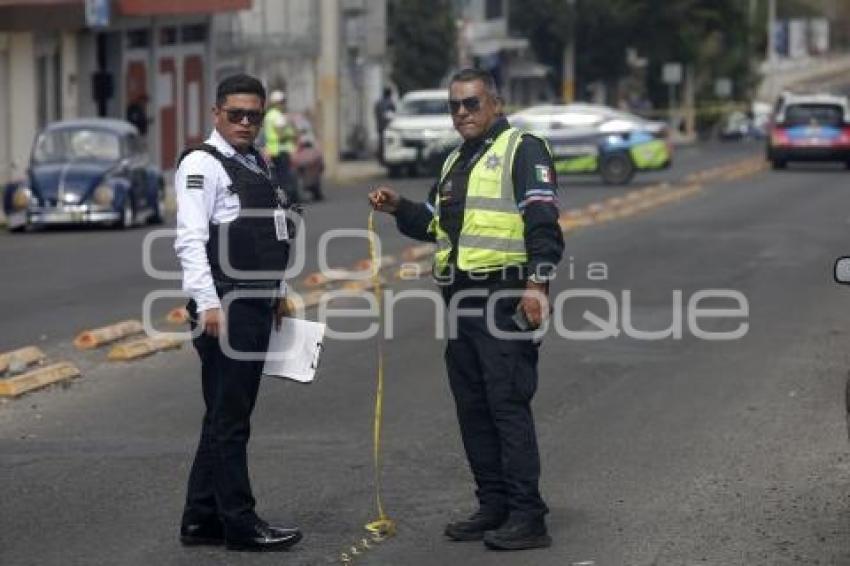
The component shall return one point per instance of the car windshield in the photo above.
(813, 115)
(82, 144)
(425, 107)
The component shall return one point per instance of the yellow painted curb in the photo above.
(37, 378)
(178, 315)
(26, 356)
(100, 336)
(414, 270)
(417, 252)
(315, 280)
(572, 213)
(142, 347)
(366, 264)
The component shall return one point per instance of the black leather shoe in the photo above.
(519, 533)
(210, 532)
(263, 537)
(474, 527)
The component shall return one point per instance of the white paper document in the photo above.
(294, 350)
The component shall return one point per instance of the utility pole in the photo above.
(568, 84)
(771, 47)
(328, 99)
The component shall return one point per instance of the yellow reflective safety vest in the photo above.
(492, 234)
(278, 139)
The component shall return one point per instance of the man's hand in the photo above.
(212, 321)
(384, 199)
(284, 308)
(535, 303)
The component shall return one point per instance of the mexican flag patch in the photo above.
(543, 174)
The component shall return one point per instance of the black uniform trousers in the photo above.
(493, 381)
(219, 486)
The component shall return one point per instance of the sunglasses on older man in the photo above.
(236, 115)
(471, 103)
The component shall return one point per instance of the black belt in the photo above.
(271, 287)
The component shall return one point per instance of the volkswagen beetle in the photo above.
(93, 170)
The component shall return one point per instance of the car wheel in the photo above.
(778, 164)
(847, 164)
(159, 206)
(126, 220)
(394, 171)
(617, 169)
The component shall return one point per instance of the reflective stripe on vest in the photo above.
(492, 235)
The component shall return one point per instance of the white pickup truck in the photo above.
(419, 130)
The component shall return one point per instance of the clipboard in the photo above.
(295, 350)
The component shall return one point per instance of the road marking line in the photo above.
(142, 347)
(100, 336)
(25, 356)
(37, 378)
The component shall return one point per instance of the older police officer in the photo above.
(493, 216)
(230, 211)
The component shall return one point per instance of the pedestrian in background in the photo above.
(221, 186)
(137, 114)
(493, 215)
(281, 138)
(384, 109)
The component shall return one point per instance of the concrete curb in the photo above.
(90, 339)
(27, 356)
(37, 378)
(142, 348)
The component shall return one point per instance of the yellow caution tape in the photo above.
(383, 527)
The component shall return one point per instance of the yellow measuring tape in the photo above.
(383, 527)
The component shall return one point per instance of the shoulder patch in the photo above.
(195, 182)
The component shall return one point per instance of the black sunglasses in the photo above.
(236, 115)
(471, 103)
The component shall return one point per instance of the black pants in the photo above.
(219, 486)
(493, 381)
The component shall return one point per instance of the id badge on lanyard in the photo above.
(280, 227)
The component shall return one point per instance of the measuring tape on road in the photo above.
(383, 527)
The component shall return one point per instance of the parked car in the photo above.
(810, 127)
(86, 171)
(418, 132)
(590, 138)
(307, 161)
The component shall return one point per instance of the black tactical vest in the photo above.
(252, 243)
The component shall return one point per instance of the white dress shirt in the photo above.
(199, 202)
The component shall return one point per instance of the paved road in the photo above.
(59, 282)
(663, 452)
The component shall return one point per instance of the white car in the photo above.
(420, 128)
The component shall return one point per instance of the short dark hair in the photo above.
(474, 74)
(239, 84)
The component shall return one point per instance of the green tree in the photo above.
(714, 38)
(421, 42)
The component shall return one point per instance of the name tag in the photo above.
(280, 225)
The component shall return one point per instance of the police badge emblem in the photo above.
(493, 161)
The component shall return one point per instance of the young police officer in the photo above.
(494, 217)
(230, 217)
